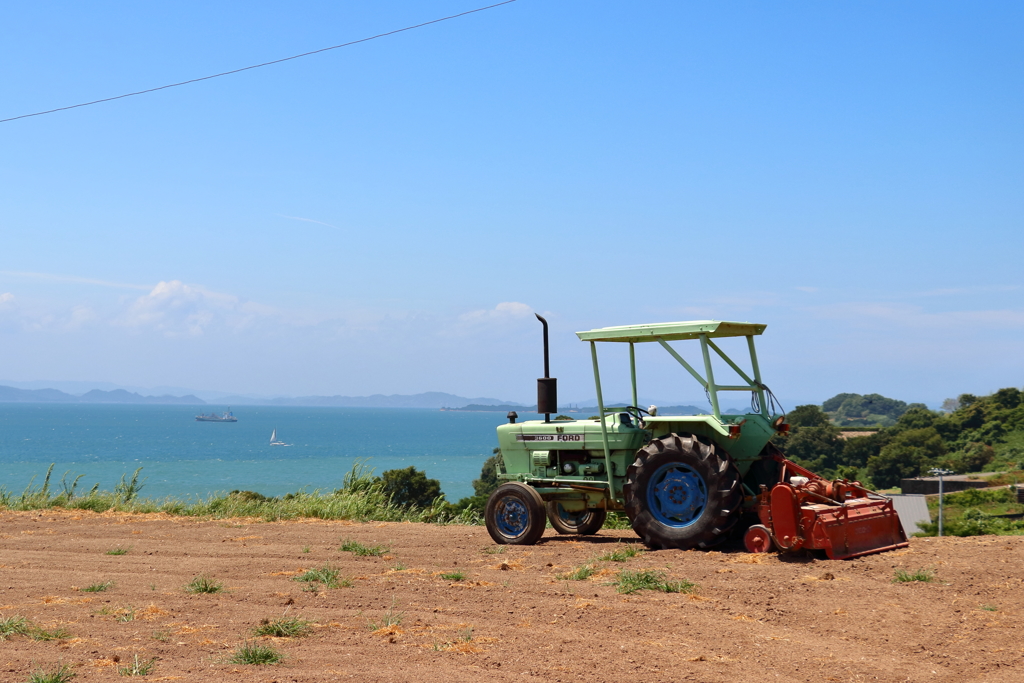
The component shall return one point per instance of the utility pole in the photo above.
(938, 472)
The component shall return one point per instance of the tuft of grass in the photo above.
(453, 576)
(494, 550)
(326, 575)
(904, 576)
(162, 636)
(20, 626)
(255, 654)
(390, 618)
(581, 573)
(118, 551)
(621, 554)
(60, 673)
(358, 548)
(203, 584)
(649, 580)
(36, 633)
(990, 608)
(305, 548)
(617, 520)
(137, 667)
(14, 626)
(283, 628)
(98, 587)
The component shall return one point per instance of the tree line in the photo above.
(971, 434)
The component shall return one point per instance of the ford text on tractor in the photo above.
(683, 481)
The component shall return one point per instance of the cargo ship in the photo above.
(214, 417)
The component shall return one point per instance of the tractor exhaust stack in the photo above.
(547, 386)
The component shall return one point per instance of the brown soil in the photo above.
(754, 617)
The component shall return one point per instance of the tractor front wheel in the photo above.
(583, 522)
(515, 514)
(682, 492)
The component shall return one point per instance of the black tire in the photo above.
(584, 522)
(682, 492)
(515, 514)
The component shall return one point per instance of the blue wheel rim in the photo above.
(511, 516)
(573, 519)
(677, 495)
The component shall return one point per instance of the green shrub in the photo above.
(98, 587)
(20, 626)
(283, 628)
(61, 673)
(410, 488)
(326, 575)
(137, 667)
(389, 618)
(14, 626)
(580, 573)
(203, 584)
(255, 655)
(357, 548)
(621, 554)
(648, 580)
(904, 576)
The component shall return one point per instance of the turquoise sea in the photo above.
(184, 458)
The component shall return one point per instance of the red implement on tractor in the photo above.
(805, 511)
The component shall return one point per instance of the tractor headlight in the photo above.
(569, 467)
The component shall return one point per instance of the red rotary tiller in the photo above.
(804, 510)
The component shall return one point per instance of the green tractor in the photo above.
(683, 481)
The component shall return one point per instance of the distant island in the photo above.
(431, 400)
(428, 400)
(497, 408)
(12, 395)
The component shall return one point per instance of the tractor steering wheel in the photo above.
(638, 413)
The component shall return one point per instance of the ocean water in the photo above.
(184, 458)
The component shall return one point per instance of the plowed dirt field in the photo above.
(446, 604)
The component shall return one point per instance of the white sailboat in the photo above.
(274, 441)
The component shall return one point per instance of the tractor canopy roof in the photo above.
(691, 329)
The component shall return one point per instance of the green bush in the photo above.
(410, 488)
(907, 455)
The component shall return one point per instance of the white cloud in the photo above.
(175, 308)
(308, 220)
(81, 316)
(70, 279)
(6, 299)
(907, 316)
(503, 311)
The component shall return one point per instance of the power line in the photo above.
(257, 66)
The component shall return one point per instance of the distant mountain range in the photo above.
(430, 399)
(12, 395)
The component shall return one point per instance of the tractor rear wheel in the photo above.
(515, 514)
(682, 492)
(583, 522)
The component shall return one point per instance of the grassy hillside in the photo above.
(976, 434)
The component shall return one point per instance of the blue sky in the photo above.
(384, 218)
